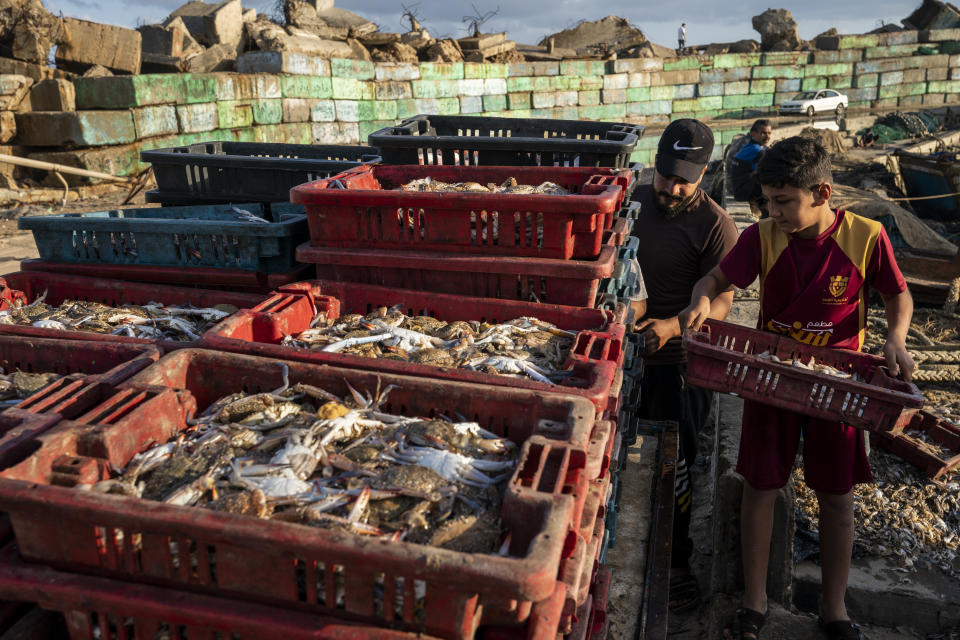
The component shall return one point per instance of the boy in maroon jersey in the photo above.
(815, 265)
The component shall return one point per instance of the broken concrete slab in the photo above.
(53, 95)
(174, 39)
(89, 43)
(283, 62)
(31, 28)
(75, 128)
(482, 41)
(34, 71)
(446, 50)
(933, 14)
(8, 126)
(98, 71)
(418, 39)
(304, 16)
(778, 30)
(612, 32)
(219, 57)
(159, 63)
(394, 52)
(379, 39)
(13, 89)
(356, 24)
(211, 24)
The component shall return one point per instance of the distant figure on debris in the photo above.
(682, 39)
(743, 169)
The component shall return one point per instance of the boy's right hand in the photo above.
(695, 315)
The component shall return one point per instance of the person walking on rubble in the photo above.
(816, 266)
(683, 234)
(682, 39)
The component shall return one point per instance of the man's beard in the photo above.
(672, 206)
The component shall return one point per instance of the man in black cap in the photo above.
(683, 234)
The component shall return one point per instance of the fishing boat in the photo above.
(932, 174)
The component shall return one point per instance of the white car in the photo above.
(811, 102)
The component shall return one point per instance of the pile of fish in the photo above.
(152, 320)
(904, 516)
(18, 385)
(300, 454)
(525, 347)
(811, 365)
(509, 185)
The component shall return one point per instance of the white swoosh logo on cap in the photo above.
(677, 147)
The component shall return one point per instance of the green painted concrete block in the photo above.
(785, 58)
(546, 68)
(938, 73)
(485, 70)
(407, 108)
(197, 118)
(515, 85)
(589, 83)
(866, 80)
(698, 104)
(708, 89)
(662, 93)
(725, 75)
(892, 51)
(389, 90)
(544, 100)
(649, 108)
(748, 101)
(435, 89)
(396, 71)
(858, 41)
(911, 76)
(123, 92)
(863, 94)
(830, 57)
(639, 79)
(835, 69)
(568, 83)
(635, 94)
(366, 128)
(763, 86)
(567, 113)
(572, 98)
(741, 87)
(385, 110)
(366, 110)
(591, 98)
(910, 101)
(155, 121)
(197, 87)
(687, 62)
(471, 104)
(518, 100)
(323, 111)
(737, 60)
(813, 84)
(267, 111)
(792, 84)
(582, 68)
(891, 78)
(347, 110)
(781, 71)
(358, 69)
(441, 70)
(612, 96)
(495, 103)
(913, 89)
(839, 82)
(469, 87)
(685, 91)
(288, 133)
(306, 87)
(495, 86)
(234, 113)
(351, 89)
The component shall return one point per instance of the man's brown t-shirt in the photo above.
(676, 252)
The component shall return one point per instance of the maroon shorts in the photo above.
(834, 456)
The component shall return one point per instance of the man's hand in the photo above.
(899, 361)
(695, 315)
(656, 333)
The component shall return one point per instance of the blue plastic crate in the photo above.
(609, 540)
(199, 236)
(630, 210)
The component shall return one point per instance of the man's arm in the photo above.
(899, 310)
(656, 332)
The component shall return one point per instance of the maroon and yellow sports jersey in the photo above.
(815, 290)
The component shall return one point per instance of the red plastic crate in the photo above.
(91, 368)
(60, 287)
(263, 560)
(577, 570)
(102, 609)
(723, 357)
(595, 358)
(600, 591)
(196, 277)
(361, 208)
(546, 280)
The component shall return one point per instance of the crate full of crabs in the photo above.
(539, 212)
(345, 492)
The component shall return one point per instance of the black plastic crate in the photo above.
(478, 140)
(226, 172)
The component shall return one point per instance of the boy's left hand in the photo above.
(899, 361)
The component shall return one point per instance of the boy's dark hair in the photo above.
(759, 124)
(795, 162)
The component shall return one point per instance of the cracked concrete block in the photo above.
(75, 128)
(91, 43)
(13, 89)
(219, 57)
(211, 24)
(53, 95)
(8, 126)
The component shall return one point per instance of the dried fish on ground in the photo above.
(510, 185)
(903, 516)
(18, 385)
(152, 320)
(522, 347)
(300, 454)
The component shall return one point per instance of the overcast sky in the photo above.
(529, 20)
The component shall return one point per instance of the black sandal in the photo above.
(841, 630)
(684, 592)
(746, 624)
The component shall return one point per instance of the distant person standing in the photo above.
(682, 38)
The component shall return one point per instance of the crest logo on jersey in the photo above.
(838, 284)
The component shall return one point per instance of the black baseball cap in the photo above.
(685, 149)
